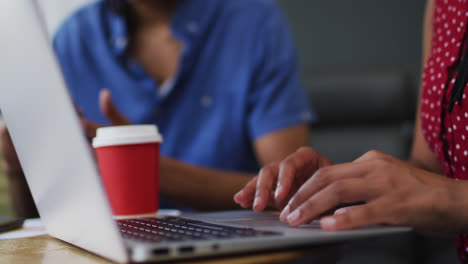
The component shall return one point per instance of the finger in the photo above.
(304, 162)
(324, 177)
(79, 111)
(265, 182)
(343, 191)
(246, 196)
(376, 212)
(89, 128)
(343, 210)
(110, 110)
(281, 205)
(372, 155)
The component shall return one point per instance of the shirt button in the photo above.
(192, 27)
(206, 101)
(306, 116)
(120, 42)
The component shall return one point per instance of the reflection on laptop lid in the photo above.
(65, 183)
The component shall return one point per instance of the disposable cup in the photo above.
(128, 160)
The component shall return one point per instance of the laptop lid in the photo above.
(46, 132)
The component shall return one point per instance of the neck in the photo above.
(152, 12)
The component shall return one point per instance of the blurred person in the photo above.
(414, 193)
(218, 77)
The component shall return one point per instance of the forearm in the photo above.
(435, 167)
(421, 155)
(20, 195)
(200, 188)
(458, 205)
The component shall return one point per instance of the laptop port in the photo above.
(186, 249)
(161, 251)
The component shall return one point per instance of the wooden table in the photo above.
(46, 249)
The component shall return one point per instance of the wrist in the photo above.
(11, 171)
(458, 205)
(165, 165)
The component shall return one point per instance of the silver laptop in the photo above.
(65, 183)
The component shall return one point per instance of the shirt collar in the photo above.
(117, 32)
(188, 24)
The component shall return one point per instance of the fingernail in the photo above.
(294, 217)
(237, 194)
(278, 190)
(341, 211)
(284, 214)
(256, 202)
(328, 223)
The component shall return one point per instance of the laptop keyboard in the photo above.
(171, 229)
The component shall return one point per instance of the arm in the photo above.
(395, 192)
(277, 111)
(297, 168)
(203, 188)
(23, 204)
(208, 189)
(421, 155)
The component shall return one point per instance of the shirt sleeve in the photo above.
(277, 99)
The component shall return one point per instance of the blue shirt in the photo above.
(237, 80)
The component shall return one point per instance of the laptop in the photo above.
(65, 183)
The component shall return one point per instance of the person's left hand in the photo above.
(394, 192)
(109, 110)
(279, 181)
(10, 162)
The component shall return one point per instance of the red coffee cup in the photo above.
(128, 159)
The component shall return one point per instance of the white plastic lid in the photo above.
(126, 135)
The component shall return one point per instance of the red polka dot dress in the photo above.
(447, 131)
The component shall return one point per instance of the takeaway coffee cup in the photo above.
(128, 159)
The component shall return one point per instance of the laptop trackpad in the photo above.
(240, 218)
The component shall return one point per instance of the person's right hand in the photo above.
(278, 182)
(389, 191)
(109, 110)
(10, 163)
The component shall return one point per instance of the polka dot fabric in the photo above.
(447, 133)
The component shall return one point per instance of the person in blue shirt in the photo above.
(218, 77)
